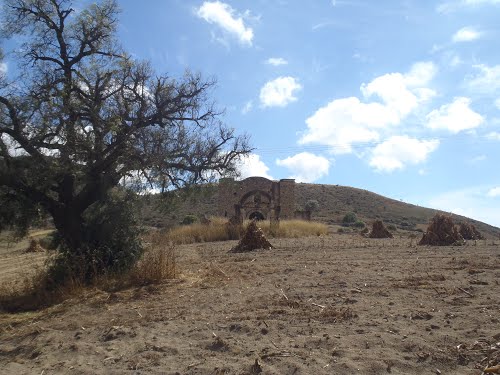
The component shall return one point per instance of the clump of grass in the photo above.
(158, 263)
(219, 230)
(294, 229)
(215, 231)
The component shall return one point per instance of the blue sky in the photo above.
(401, 98)
(397, 97)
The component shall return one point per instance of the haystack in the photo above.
(253, 239)
(34, 247)
(441, 232)
(469, 232)
(379, 230)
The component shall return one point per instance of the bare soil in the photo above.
(337, 304)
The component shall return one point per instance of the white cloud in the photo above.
(276, 61)
(3, 68)
(251, 165)
(466, 34)
(495, 136)
(225, 17)
(247, 107)
(420, 74)
(402, 92)
(451, 6)
(305, 167)
(279, 92)
(454, 117)
(398, 151)
(487, 80)
(345, 122)
(494, 192)
(497, 103)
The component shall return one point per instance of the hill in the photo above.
(334, 202)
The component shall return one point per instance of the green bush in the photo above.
(392, 227)
(48, 242)
(110, 242)
(359, 224)
(189, 219)
(311, 205)
(349, 218)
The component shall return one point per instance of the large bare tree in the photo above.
(82, 115)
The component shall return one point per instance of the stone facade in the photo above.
(256, 197)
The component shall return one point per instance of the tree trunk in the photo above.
(70, 226)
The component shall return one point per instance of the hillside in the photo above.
(334, 200)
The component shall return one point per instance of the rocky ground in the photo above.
(338, 304)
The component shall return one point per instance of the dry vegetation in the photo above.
(339, 303)
(219, 230)
(31, 287)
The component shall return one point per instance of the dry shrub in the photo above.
(441, 232)
(469, 232)
(158, 263)
(379, 230)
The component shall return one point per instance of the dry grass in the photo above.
(295, 229)
(37, 290)
(219, 230)
(158, 263)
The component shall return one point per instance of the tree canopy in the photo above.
(82, 116)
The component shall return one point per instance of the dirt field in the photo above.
(324, 305)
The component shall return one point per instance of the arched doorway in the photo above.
(256, 215)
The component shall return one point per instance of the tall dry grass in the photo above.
(294, 229)
(158, 263)
(219, 230)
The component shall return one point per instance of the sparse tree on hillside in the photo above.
(311, 205)
(83, 115)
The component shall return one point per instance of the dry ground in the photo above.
(337, 304)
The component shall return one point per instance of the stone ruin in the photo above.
(256, 198)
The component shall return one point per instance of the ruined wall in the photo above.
(287, 198)
(272, 199)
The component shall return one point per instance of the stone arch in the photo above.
(257, 215)
(254, 193)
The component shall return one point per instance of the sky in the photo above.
(401, 98)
